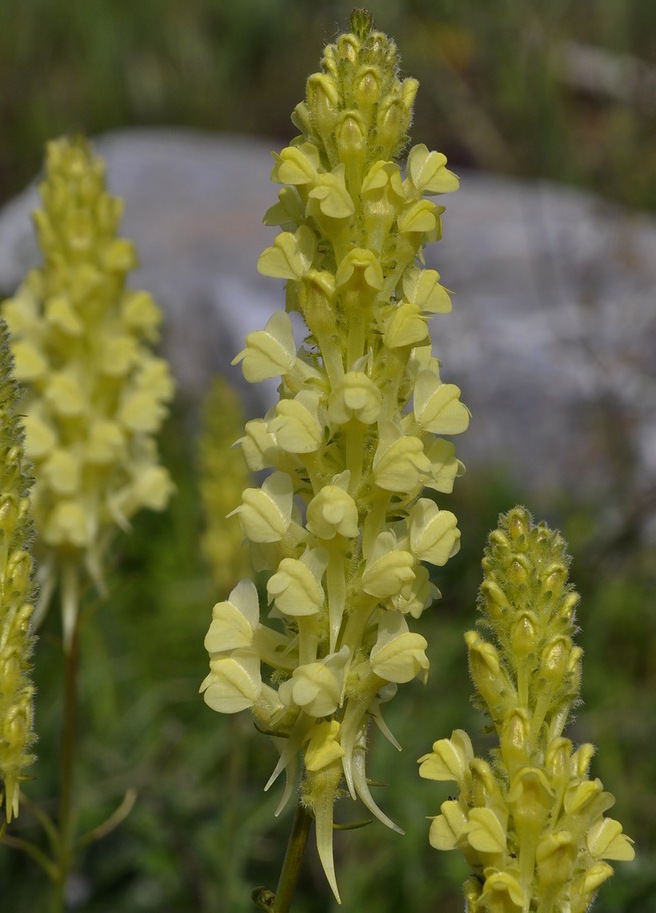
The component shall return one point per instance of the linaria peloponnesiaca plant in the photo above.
(223, 476)
(530, 822)
(339, 525)
(95, 393)
(95, 396)
(16, 593)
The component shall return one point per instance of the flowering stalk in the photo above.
(16, 594)
(95, 395)
(223, 476)
(531, 823)
(339, 525)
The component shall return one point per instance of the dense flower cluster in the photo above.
(95, 393)
(16, 592)
(223, 476)
(338, 525)
(531, 824)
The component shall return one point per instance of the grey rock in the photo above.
(553, 333)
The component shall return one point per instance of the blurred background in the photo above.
(557, 91)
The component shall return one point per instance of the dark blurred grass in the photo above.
(203, 832)
(493, 92)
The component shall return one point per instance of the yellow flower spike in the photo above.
(95, 395)
(16, 592)
(223, 474)
(533, 816)
(351, 442)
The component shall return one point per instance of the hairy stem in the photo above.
(281, 901)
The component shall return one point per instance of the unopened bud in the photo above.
(367, 87)
(524, 635)
(554, 660)
(323, 98)
(515, 740)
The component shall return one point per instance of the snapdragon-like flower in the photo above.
(95, 393)
(531, 822)
(16, 593)
(354, 439)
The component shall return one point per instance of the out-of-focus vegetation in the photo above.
(560, 90)
(202, 833)
(502, 88)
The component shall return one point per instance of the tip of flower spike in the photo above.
(361, 23)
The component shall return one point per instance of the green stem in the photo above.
(291, 867)
(69, 720)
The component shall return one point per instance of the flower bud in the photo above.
(554, 660)
(516, 740)
(351, 139)
(524, 635)
(322, 100)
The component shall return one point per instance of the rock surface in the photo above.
(553, 333)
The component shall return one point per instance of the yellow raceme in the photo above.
(223, 475)
(95, 394)
(337, 525)
(531, 822)
(16, 593)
